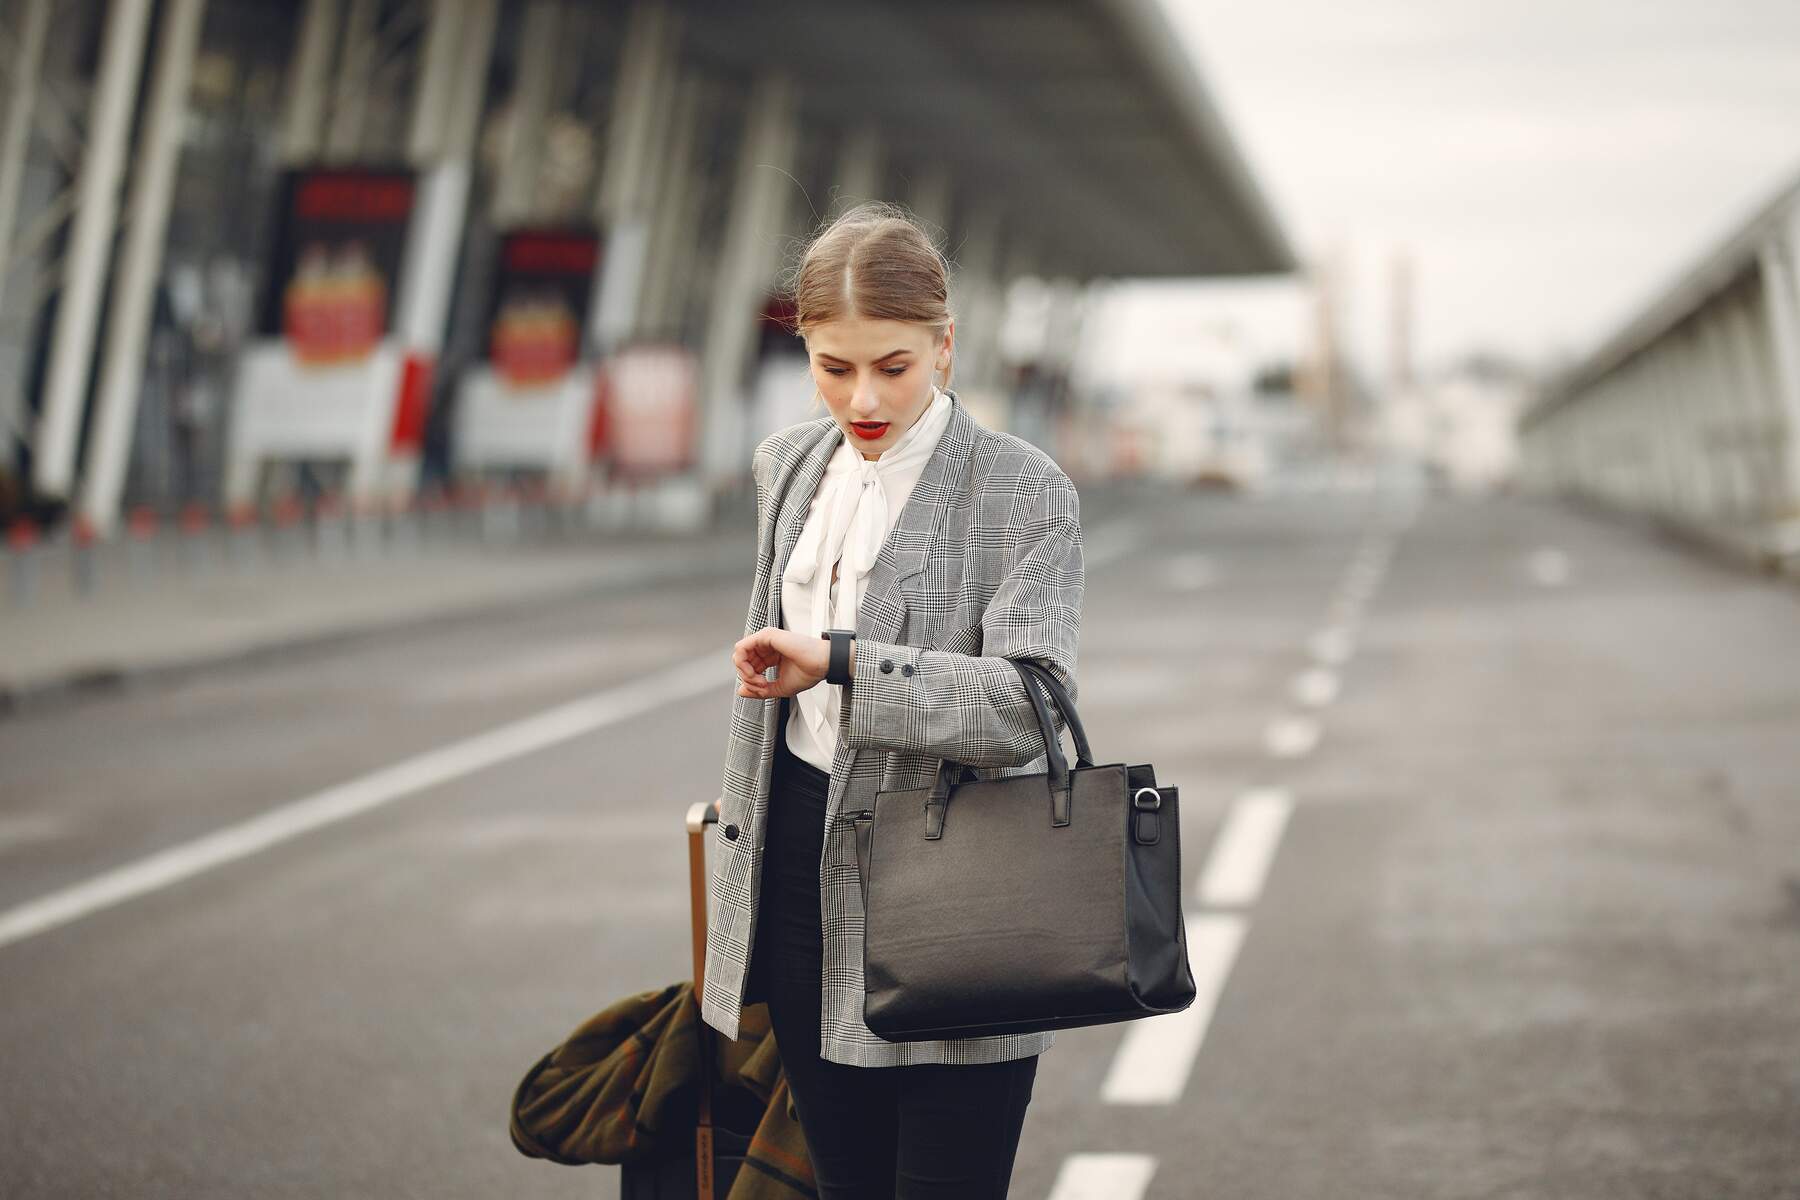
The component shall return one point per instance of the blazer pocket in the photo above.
(960, 639)
(934, 622)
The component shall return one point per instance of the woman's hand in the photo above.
(802, 662)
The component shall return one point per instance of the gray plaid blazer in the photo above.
(984, 564)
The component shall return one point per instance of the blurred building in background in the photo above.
(350, 250)
(1690, 413)
(1459, 423)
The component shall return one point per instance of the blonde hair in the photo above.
(874, 261)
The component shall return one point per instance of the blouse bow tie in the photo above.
(847, 525)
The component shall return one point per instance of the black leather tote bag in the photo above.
(1024, 903)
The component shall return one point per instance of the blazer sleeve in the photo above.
(762, 468)
(969, 708)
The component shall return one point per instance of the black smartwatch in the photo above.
(837, 669)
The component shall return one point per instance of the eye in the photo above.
(893, 370)
(834, 370)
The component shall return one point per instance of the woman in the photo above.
(948, 548)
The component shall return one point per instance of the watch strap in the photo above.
(837, 669)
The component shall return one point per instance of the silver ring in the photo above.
(1138, 796)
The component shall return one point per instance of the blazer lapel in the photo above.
(797, 500)
(882, 610)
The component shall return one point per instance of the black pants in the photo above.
(873, 1133)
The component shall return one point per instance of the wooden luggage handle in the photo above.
(699, 816)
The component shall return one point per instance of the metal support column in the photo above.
(303, 124)
(746, 265)
(1779, 263)
(976, 297)
(1725, 400)
(19, 109)
(540, 41)
(929, 197)
(1760, 415)
(356, 68)
(96, 210)
(134, 290)
(1703, 477)
(858, 174)
(629, 176)
(438, 83)
(664, 292)
(435, 234)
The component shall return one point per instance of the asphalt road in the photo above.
(1490, 834)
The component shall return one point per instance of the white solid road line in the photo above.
(548, 728)
(1154, 1061)
(1103, 1177)
(1244, 848)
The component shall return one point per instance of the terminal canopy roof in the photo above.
(1084, 120)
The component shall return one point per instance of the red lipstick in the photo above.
(869, 430)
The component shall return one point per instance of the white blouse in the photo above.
(857, 505)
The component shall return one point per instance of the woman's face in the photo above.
(875, 376)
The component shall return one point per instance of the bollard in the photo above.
(81, 538)
(240, 520)
(328, 526)
(366, 525)
(474, 502)
(405, 520)
(560, 508)
(535, 510)
(193, 522)
(140, 528)
(434, 515)
(287, 513)
(499, 513)
(21, 545)
(512, 512)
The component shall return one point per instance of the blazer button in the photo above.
(731, 832)
(906, 669)
(887, 666)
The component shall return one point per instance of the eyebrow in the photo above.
(882, 359)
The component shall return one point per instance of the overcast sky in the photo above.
(1548, 163)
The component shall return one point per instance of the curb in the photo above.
(112, 679)
(103, 679)
(1745, 549)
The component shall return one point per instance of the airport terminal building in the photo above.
(360, 248)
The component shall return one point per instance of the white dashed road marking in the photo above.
(1244, 848)
(1548, 567)
(1112, 540)
(1191, 572)
(1315, 687)
(1157, 1054)
(1103, 1177)
(1291, 736)
(1154, 1061)
(1332, 646)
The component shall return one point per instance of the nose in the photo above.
(864, 403)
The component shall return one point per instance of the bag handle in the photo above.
(1057, 778)
(1084, 755)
